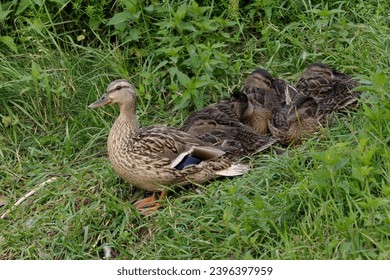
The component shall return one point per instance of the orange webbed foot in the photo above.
(149, 204)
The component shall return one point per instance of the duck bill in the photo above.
(100, 102)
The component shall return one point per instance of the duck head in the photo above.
(240, 104)
(260, 78)
(118, 91)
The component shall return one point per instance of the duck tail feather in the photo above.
(234, 170)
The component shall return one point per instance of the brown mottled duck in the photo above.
(260, 82)
(220, 125)
(156, 157)
(329, 86)
(251, 112)
(302, 110)
(301, 118)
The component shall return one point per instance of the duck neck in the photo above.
(127, 115)
(247, 114)
(125, 126)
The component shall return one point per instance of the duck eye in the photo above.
(118, 87)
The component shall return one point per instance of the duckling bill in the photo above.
(157, 157)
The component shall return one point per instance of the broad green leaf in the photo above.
(61, 2)
(184, 80)
(380, 79)
(166, 24)
(340, 164)
(134, 35)
(94, 23)
(181, 12)
(24, 4)
(361, 172)
(268, 12)
(9, 42)
(218, 45)
(3, 14)
(183, 102)
(199, 82)
(161, 64)
(188, 26)
(314, 11)
(227, 214)
(197, 99)
(38, 2)
(258, 202)
(38, 25)
(149, 8)
(121, 17)
(34, 71)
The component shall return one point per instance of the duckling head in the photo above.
(319, 69)
(118, 91)
(259, 79)
(241, 105)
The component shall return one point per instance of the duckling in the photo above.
(329, 86)
(208, 118)
(261, 82)
(219, 125)
(156, 157)
(251, 112)
(302, 118)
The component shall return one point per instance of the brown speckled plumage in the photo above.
(220, 125)
(301, 110)
(329, 86)
(146, 157)
(251, 112)
(261, 83)
(302, 118)
(288, 113)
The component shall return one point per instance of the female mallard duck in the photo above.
(219, 124)
(155, 157)
(329, 86)
(295, 112)
(207, 119)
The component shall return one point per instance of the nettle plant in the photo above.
(187, 43)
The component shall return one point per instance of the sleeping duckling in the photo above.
(329, 86)
(261, 81)
(300, 119)
(250, 112)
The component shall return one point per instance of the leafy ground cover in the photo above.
(326, 199)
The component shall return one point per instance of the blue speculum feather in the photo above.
(188, 160)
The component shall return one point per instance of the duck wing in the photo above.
(164, 142)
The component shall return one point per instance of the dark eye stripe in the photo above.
(117, 88)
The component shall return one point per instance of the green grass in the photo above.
(326, 199)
